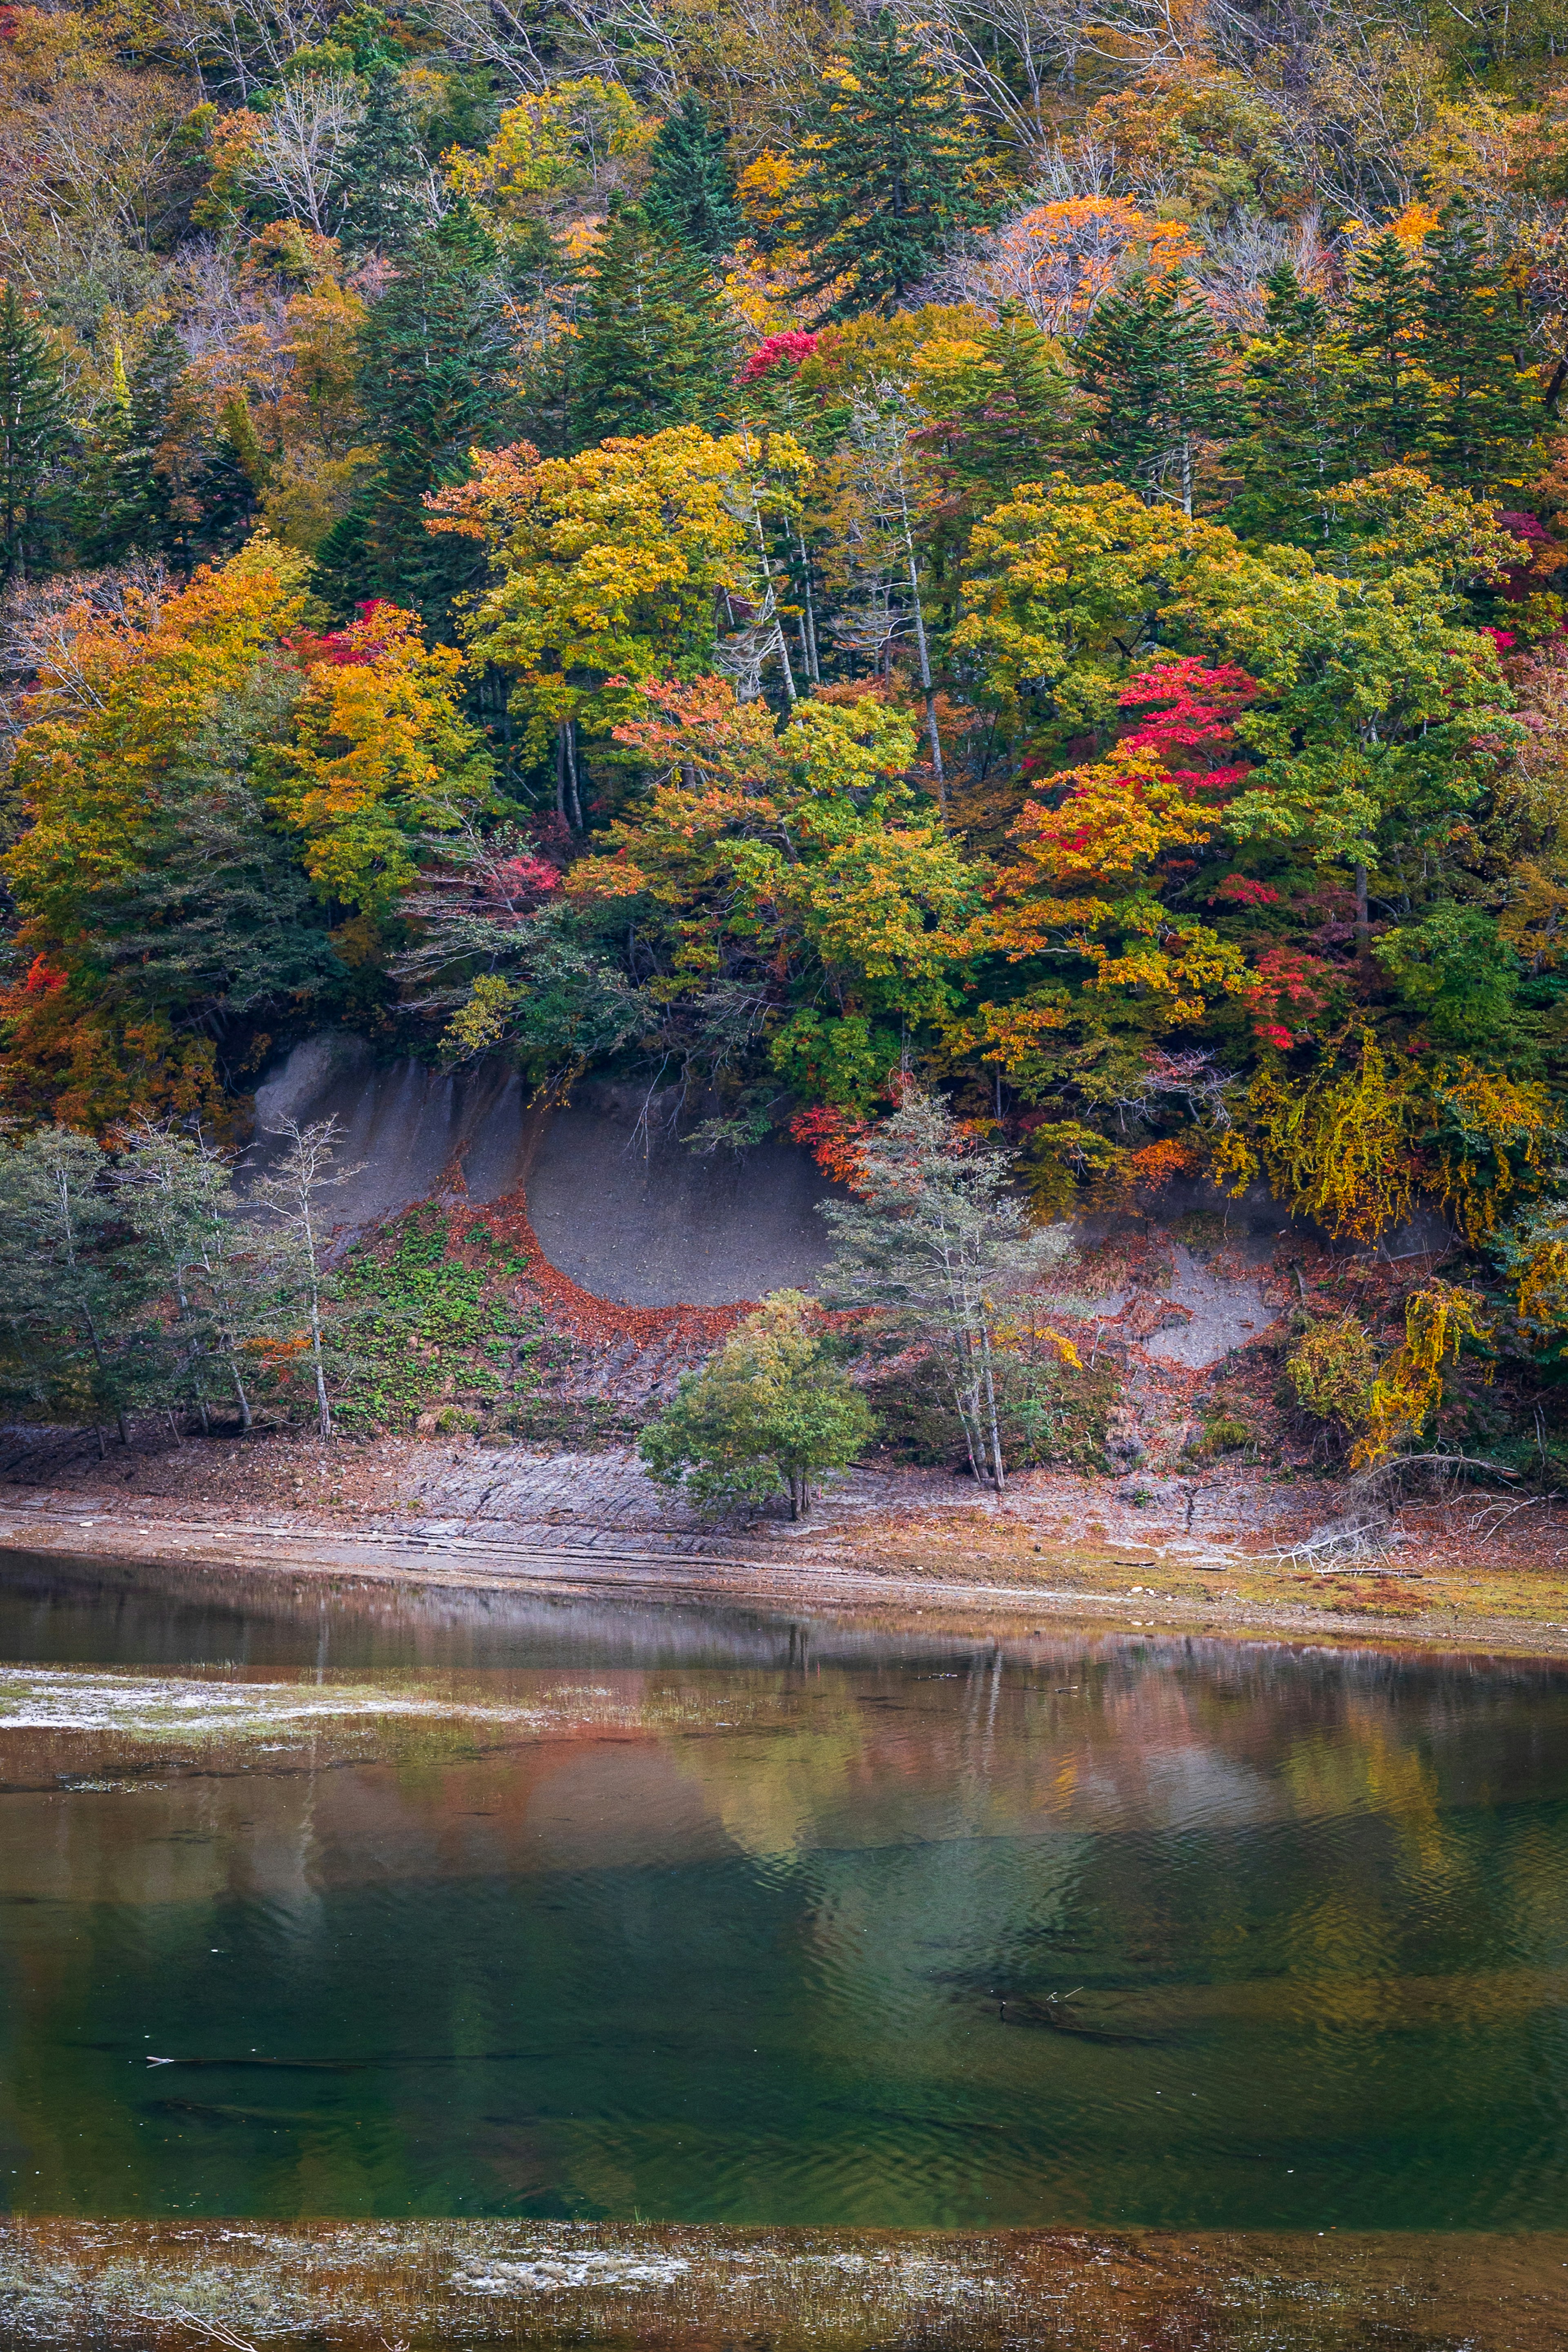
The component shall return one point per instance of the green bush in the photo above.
(1048, 1412)
(765, 1415)
(424, 1305)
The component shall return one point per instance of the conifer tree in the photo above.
(1294, 390)
(1150, 361)
(384, 173)
(1388, 406)
(654, 346)
(124, 499)
(32, 433)
(690, 194)
(1004, 416)
(1485, 410)
(886, 183)
(434, 382)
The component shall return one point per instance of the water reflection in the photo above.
(829, 1924)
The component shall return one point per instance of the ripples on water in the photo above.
(704, 1916)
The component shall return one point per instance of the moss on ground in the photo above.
(432, 1317)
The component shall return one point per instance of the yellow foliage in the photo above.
(559, 141)
(1498, 1135)
(1341, 1149)
(1409, 1389)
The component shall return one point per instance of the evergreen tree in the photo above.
(1485, 410)
(654, 346)
(434, 382)
(1294, 387)
(1151, 362)
(1004, 416)
(125, 499)
(1388, 405)
(690, 194)
(384, 172)
(32, 434)
(887, 151)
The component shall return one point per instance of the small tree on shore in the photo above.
(938, 1244)
(298, 1234)
(767, 1415)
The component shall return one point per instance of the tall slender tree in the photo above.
(691, 192)
(32, 435)
(654, 346)
(888, 155)
(385, 177)
(1388, 393)
(1151, 364)
(1294, 386)
(1485, 409)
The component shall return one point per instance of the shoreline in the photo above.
(45, 1526)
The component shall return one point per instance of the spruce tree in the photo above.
(1293, 388)
(125, 500)
(434, 381)
(887, 151)
(1485, 410)
(1004, 416)
(1387, 404)
(32, 434)
(1150, 361)
(384, 173)
(690, 194)
(654, 346)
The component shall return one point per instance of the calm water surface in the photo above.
(819, 1925)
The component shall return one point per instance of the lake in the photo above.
(395, 1904)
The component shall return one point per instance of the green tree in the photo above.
(1151, 364)
(1485, 409)
(1388, 394)
(124, 499)
(385, 174)
(655, 347)
(691, 192)
(1293, 386)
(1001, 418)
(32, 435)
(432, 383)
(767, 1415)
(887, 151)
(80, 1343)
(939, 1244)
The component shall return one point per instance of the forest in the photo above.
(794, 552)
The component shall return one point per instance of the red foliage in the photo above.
(41, 980)
(1286, 991)
(352, 648)
(830, 1136)
(1189, 707)
(1244, 892)
(791, 347)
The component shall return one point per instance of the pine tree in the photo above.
(384, 173)
(434, 382)
(32, 434)
(125, 499)
(1151, 362)
(1485, 411)
(887, 151)
(690, 194)
(1294, 387)
(654, 346)
(1388, 406)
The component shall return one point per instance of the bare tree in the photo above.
(298, 153)
(289, 1195)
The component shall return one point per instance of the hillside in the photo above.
(696, 575)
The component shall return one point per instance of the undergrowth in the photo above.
(431, 1318)
(1049, 1413)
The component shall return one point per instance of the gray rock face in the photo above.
(617, 1200)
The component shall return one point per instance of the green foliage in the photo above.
(767, 1415)
(1048, 1413)
(428, 1310)
(384, 173)
(888, 180)
(654, 346)
(690, 191)
(32, 437)
(1150, 364)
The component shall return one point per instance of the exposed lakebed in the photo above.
(490, 1906)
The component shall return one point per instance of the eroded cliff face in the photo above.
(617, 1198)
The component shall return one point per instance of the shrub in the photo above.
(767, 1415)
(1330, 1370)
